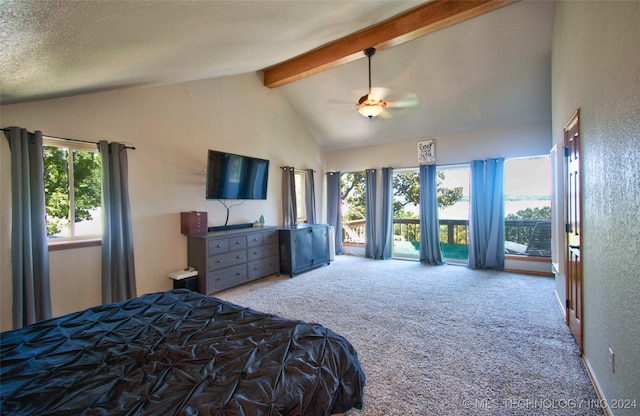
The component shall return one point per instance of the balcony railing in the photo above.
(518, 234)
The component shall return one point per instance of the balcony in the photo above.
(522, 237)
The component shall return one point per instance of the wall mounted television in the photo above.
(231, 176)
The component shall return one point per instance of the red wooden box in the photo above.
(193, 222)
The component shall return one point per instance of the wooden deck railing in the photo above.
(451, 231)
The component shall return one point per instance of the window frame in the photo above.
(300, 179)
(73, 240)
(524, 256)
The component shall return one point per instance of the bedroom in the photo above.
(166, 177)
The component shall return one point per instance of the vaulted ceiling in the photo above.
(492, 70)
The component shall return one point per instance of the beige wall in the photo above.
(172, 127)
(596, 67)
(509, 142)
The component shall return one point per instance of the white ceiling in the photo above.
(488, 72)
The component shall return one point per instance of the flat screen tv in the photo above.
(231, 176)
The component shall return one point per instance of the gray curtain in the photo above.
(29, 250)
(385, 237)
(118, 268)
(334, 202)
(310, 196)
(486, 214)
(289, 209)
(430, 251)
(370, 184)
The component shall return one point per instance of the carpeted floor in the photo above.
(440, 340)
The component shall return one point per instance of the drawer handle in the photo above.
(238, 274)
(238, 257)
(255, 253)
(219, 246)
(255, 239)
(237, 243)
(219, 261)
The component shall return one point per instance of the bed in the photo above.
(177, 353)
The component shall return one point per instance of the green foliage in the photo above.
(523, 233)
(407, 191)
(87, 186)
(353, 196)
(87, 180)
(533, 214)
(447, 196)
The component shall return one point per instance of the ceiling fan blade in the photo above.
(385, 114)
(408, 100)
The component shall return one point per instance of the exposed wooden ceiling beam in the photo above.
(419, 21)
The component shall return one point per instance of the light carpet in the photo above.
(439, 340)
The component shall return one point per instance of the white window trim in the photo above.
(80, 146)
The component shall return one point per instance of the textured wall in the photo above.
(596, 67)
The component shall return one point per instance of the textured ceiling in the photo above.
(57, 48)
(488, 72)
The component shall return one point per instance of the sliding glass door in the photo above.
(453, 204)
(453, 212)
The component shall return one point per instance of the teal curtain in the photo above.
(385, 236)
(430, 251)
(334, 214)
(486, 215)
(370, 182)
(118, 266)
(29, 250)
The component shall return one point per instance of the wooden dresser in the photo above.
(229, 258)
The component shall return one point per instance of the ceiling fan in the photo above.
(373, 103)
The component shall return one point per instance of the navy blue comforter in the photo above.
(177, 353)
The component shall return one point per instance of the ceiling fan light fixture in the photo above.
(371, 109)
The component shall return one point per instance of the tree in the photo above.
(87, 179)
(532, 214)
(353, 195)
(406, 188)
(407, 191)
(523, 233)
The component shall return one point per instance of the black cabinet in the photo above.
(303, 247)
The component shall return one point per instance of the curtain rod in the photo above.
(74, 140)
(293, 167)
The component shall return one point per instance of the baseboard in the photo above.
(596, 386)
(533, 272)
(561, 305)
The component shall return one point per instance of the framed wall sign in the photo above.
(426, 152)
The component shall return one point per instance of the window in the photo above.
(300, 178)
(353, 208)
(527, 206)
(72, 184)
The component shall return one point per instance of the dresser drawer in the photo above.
(263, 267)
(222, 261)
(217, 246)
(262, 251)
(222, 245)
(270, 237)
(223, 279)
(254, 240)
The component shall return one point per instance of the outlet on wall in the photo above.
(612, 360)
